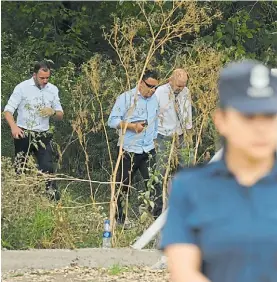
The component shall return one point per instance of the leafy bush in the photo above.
(30, 220)
(93, 65)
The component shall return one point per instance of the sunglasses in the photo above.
(150, 86)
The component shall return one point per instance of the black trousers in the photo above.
(129, 165)
(38, 144)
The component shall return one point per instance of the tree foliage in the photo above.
(99, 50)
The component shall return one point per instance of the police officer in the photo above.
(222, 218)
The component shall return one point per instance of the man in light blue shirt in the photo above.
(35, 100)
(134, 115)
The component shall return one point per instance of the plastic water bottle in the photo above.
(107, 235)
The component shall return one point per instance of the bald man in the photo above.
(175, 118)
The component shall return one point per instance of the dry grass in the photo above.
(31, 220)
(76, 274)
(139, 43)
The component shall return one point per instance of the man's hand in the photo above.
(17, 132)
(139, 126)
(197, 277)
(46, 112)
(134, 126)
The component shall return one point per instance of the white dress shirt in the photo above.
(28, 99)
(168, 119)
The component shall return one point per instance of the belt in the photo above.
(38, 133)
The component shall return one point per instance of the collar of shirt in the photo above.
(173, 95)
(32, 82)
(136, 91)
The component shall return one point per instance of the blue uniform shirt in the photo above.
(234, 226)
(131, 106)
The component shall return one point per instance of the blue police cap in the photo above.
(249, 87)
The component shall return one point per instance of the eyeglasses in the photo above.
(150, 86)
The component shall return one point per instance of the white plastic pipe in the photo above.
(151, 232)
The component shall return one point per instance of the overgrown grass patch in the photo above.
(29, 231)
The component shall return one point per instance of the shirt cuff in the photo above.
(9, 109)
(60, 109)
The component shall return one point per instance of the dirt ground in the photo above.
(78, 274)
(91, 265)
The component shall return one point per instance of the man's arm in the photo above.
(16, 131)
(179, 240)
(128, 125)
(10, 119)
(184, 263)
(9, 110)
(117, 116)
(56, 105)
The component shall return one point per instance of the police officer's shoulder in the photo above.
(198, 171)
(193, 179)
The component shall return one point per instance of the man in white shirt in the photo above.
(175, 118)
(35, 100)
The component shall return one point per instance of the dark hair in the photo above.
(44, 65)
(150, 73)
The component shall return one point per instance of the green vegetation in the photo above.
(99, 50)
(117, 269)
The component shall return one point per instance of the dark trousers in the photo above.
(39, 144)
(129, 165)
